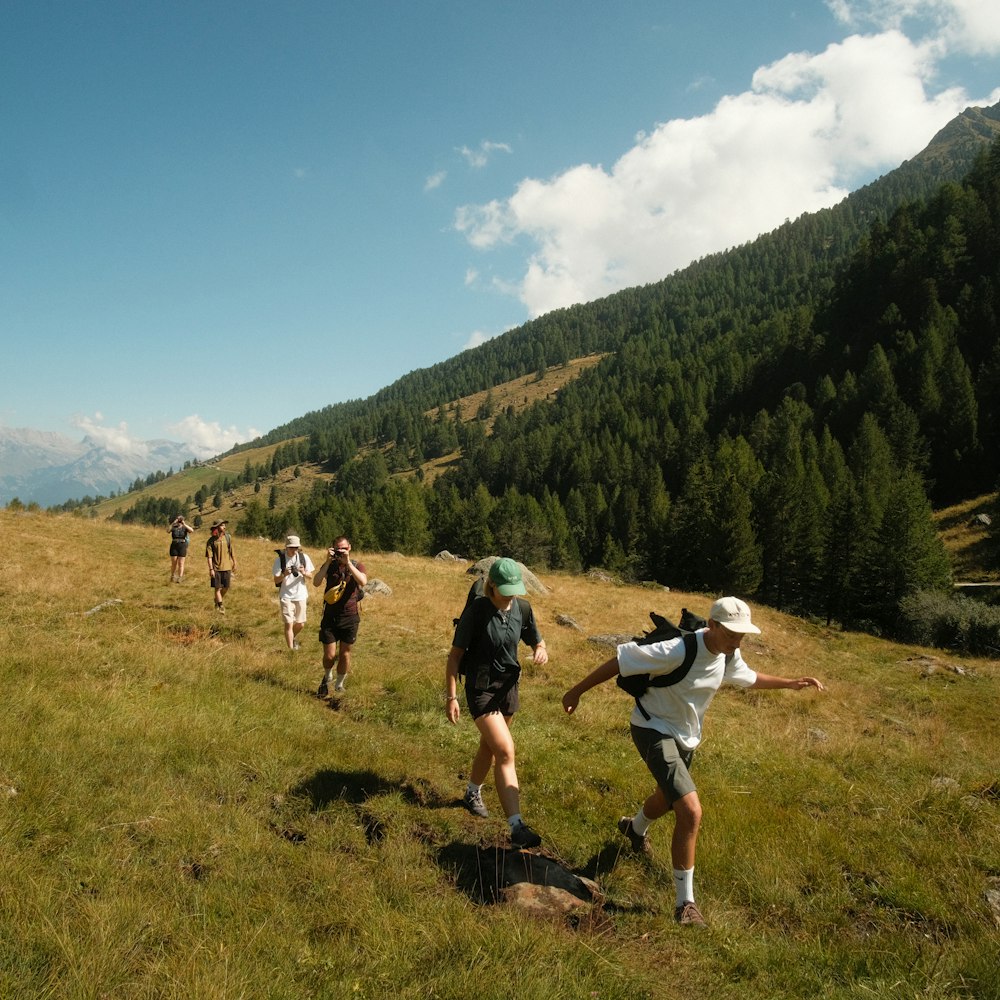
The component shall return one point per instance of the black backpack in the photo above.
(483, 612)
(638, 684)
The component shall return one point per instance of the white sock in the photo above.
(515, 820)
(684, 884)
(328, 676)
(640, 823)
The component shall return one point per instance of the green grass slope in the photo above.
(180, 817)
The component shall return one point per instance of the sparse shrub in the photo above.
(932, 618)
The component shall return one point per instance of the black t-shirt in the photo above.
(492, 653)
(341, 593)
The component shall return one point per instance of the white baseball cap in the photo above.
(733, 614)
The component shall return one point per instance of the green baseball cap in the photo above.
(506, 577)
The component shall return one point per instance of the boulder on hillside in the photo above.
(611, 641)
(445, 556)
(375, 586)
(531, 582)
(537, 885)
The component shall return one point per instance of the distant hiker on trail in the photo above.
(180, 535)
(485, 651)
(666, 726)
(221, 562)
(342, 579)
(292, 571)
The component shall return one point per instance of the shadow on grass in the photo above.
(357, 787)
(603, 861)
(354, 788)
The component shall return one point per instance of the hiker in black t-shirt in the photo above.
(485, 650)
(342, 579)
(180, 532)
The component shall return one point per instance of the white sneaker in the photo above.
(340, 682)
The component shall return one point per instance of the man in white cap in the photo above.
(293, 571)
(667, 721)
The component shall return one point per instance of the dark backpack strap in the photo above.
(482, 612)
(677, 674)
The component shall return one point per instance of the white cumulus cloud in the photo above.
(811, 127)
(116, 439)
(206, 438)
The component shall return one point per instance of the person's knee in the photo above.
(503, 754)
(688, 811)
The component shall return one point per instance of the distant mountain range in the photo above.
(49, 469)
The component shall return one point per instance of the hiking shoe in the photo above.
(473, 801)
(340, 683)
(523, 836)
(688, 914)
(639, 843)
(323, 690)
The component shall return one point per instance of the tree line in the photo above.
(774, 421)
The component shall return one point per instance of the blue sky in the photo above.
(215, 217)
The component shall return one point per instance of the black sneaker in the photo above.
(639, 844)
(323, 690)
(523, 836)
(688, 915)
(473, 801)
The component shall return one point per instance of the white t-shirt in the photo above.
(679, 709)
(294, 588)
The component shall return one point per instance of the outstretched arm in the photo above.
(603, 673)
(795, 683)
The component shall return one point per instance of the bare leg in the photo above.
(496, 745)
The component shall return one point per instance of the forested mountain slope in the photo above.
(773, 420)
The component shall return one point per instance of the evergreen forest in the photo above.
(775, 421)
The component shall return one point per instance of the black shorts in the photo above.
(221, 580)
(339, 631)
(504, 700)
(178, 548)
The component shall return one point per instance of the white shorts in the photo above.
(293, 611)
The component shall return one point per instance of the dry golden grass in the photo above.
(969, 545)
(189, 821)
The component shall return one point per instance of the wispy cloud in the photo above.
(435, 180)
(476, 338)
(805, 132)
(478, 158)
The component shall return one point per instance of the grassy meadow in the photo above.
(181, 817)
